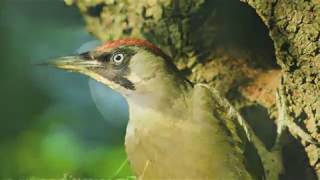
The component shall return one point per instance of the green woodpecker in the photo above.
(174, 130)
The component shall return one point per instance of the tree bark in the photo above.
(294, 27)
(240, 48)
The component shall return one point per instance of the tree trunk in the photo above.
(240, 48)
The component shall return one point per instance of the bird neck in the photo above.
(159, 94)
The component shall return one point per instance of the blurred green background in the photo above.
(50, 126)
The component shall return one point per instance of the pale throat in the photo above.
(159, 100)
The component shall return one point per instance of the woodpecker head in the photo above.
(127, 65)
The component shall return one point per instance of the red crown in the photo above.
(132, 42)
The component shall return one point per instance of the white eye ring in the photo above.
(118, 58)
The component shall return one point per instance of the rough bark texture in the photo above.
(226, 44)
(294, 27)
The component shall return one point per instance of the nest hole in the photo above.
(238, 38)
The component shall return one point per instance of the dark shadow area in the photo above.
(258, 118)
(95, 11)
(296, 161)
(235, 27)
(253, 161)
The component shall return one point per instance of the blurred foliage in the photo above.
(50, 126)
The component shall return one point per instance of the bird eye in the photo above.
(117, 58)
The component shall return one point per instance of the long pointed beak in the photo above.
(74, 63)
(82, 64)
